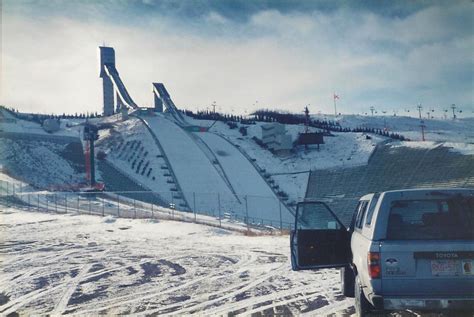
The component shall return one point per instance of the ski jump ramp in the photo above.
(245, 180)
(238, 189)
(200, 181)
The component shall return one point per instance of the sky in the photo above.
(243, 55)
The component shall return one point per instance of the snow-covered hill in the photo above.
(287, 174)
(439, 130)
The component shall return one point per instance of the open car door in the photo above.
(319, 239)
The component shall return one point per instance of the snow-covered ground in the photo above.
(54, 264)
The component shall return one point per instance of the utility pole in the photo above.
(453, 106)
(306, 123)
(419, 107)
(423, 126)
(306, 119)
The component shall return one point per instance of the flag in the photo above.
(336, 97)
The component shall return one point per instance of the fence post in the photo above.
(38, 202)
(56, 202)
(281, 221)
(65, 202)
(247, 214)
(194, 205)
(152, 215)
(219, 208)
(78, 198)
(103, 208)
(47, 204)
(172, 204)
(90, 205)
(29, 206)
(118, 205)
(135, 207)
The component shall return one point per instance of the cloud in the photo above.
(284, 58)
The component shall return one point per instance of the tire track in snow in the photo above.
(279, 295)
(70, 288)
(139, 297)
(299, 292)
(29, 297)
(240, 288)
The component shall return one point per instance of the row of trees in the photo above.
(39, 118)
(216, 116)
(265, 115)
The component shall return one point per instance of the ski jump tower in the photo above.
(115, 95)
(163, 102)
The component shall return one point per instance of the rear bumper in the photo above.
(428, 303)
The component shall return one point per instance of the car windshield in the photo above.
(445, 219)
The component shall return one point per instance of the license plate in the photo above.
(444, 267)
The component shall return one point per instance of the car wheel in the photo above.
(347, 281)
(362, 305)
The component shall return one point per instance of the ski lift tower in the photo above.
(90, 136)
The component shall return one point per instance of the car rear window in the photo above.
(441, 219)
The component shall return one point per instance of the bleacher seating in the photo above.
(391, 168)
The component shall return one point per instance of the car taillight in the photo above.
(373, 263)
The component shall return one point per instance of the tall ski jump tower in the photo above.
(107, 56)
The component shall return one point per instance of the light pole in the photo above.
(453, 106)
(214, 107)
(419, 107)
(306, 115)
(423, 126)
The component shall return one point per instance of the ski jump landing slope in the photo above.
(245, 180)
(198, 178)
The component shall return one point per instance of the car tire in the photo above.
(362, 305)
(347, 281)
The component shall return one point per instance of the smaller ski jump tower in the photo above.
(115, 94)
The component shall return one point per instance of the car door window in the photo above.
(360, 214)
(316, 216)
(370, 211)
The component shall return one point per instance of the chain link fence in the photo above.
(242, 213)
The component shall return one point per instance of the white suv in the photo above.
(405, 249)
